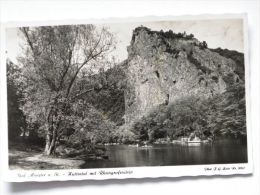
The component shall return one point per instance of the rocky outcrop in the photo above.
(164, 66)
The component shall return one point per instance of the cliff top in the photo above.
(163, 34)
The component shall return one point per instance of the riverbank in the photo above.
(34, 160)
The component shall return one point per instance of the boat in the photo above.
(133, 145)
(176, 141)
(197, 140)
(146, 146)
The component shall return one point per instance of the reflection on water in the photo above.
(220, 152)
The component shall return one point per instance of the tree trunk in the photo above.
(48, 143)
(51, 139)
(53, 142)
(51, 148)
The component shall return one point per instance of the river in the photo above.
(219, 152)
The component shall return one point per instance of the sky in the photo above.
(224, 33)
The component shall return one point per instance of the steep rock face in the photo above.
(163, 67)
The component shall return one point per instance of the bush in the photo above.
(222, 115)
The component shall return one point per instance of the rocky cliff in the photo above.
(164, 67)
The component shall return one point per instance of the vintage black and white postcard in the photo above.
(125, 98)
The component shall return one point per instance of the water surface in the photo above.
(219, 152)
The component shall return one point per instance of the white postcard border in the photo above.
(126, 172)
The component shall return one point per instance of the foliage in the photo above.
(222, 115)
(227, 113)
(236, 56)
(55, 60)
(16, 118)
(108, 94)
(203, 45)
(123, 135)
(93, 128)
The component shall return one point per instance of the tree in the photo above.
(16, 118)
(203, 45)
(54, 59)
